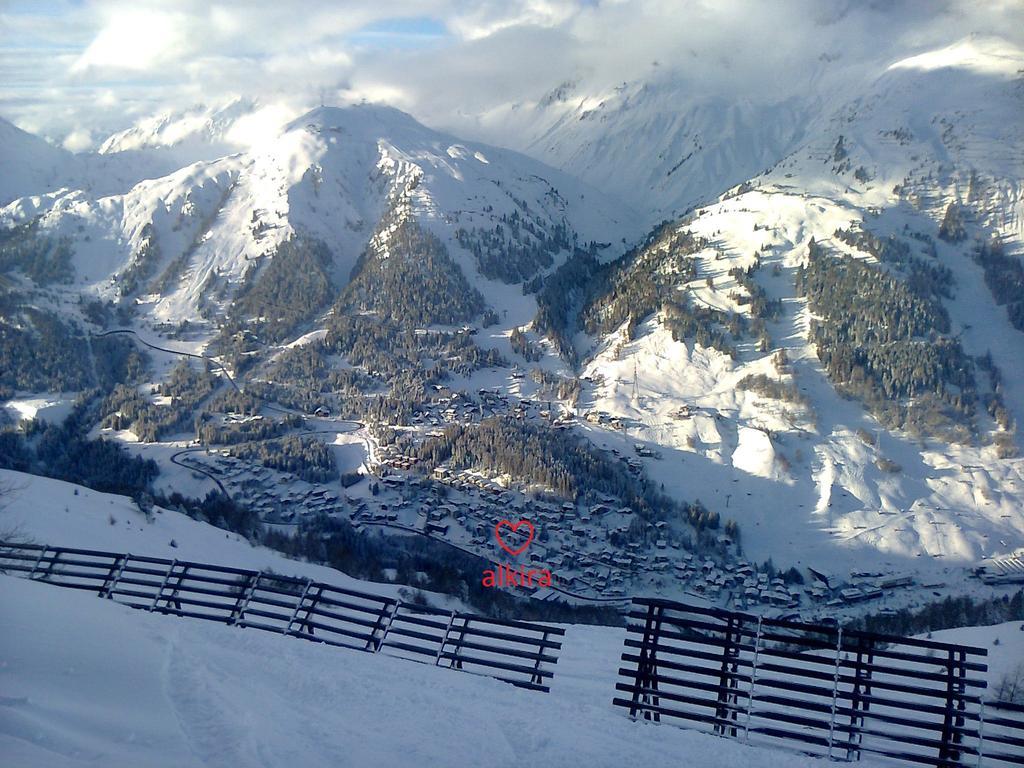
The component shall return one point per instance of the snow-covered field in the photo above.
(125, 688)
(52, 407)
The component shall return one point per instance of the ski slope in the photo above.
(130, 688)
(125, 687)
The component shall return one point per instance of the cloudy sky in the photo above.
(74, 70)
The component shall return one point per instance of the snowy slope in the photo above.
(798, 479)
(207, 132)
(129, 688)
(36, 173)
(1004, 642)
(30, 165)
(45, 511)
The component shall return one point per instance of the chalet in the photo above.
(826, 580)
(894, 582)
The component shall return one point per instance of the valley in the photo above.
(791, 396)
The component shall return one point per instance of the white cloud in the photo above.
(486, 18)
(136, 40)
(103, 63)
(260, 126)
(78, 140)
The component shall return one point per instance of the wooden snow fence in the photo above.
(819, 689)
(517, 652)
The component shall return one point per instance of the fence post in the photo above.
(726, 709)
(536, 678)
(167, 577)
(375, 643)
(981, 732)
(173, 598)
(57, 552)
(444, 640)
(753, 679)
(42, 554)
(861, 690)
(298, 607)
(114, 575)
(835, 691)
(243, 599)
(647, 669)
(949, 753)
(961, 700)
(310, 610)
(457, 661)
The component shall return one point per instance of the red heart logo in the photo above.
(515, 527)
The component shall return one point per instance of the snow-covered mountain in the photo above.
(33, 167)
(804, 469)
(203, 128)
(664, 146)
(651, 323)
(330, 175)
(651, 143)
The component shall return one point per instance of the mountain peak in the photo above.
(363, 118)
